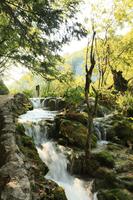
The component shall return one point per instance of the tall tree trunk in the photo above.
(89, 71)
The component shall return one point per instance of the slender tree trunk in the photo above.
(89, 71)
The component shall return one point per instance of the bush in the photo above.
(74, 95)
(125, 103)
(107, 99)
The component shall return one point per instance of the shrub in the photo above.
(74, 95)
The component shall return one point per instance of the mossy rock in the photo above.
(75, 133)
(3, 89)
(105, 178)
(59, 194)
(76, 116)
(28, 148)
(21, 104)
(114, 194)
(105, 159)
(124, 131)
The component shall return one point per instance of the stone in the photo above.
(74, 133)
(105, 159)
(114, 194)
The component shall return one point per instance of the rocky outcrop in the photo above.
(111, 170)
(14, 182)
(72, 130)
(41, 188)
(118, 128)
(21, 170)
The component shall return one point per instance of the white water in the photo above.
(54, 158)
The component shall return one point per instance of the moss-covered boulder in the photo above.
(3, 89)
(76, 116)
(114, 194)
(74, 133)
(59, 194)
(81, 166)
(105, 178)
(105, 159)
(124, 131)
(118, 129)
(20, 104)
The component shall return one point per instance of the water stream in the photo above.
(52, 155)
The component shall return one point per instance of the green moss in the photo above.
(59, 194)
(124, 131)
(114, 194)
(75, 133)
(106, 178)
(28, 148)
(105, 159)
(79, 117)
(114, 147)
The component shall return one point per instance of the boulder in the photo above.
(114, 194)
(105, 158)
(19, 104)
(76, 116)
(54, 103)
(75, 133)
(118, 129)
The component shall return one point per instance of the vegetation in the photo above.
(28, 29)
(92, 83)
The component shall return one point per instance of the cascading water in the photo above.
(52, 155)
(36, 102)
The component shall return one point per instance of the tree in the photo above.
(106, 52)
(33, 32)
(89, 71)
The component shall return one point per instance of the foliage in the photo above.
(31, 33)
(125, 102)
(74, 95)
(108, 98)
(3, 88)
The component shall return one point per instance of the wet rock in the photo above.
(118, 129)
(54, 103)
(101, 110)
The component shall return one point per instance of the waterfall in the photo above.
(53, 156)
(100, 129)
(36, 102)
